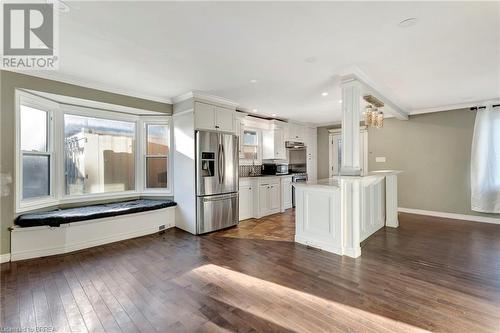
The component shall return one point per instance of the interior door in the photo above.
(336, 154)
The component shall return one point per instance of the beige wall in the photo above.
(9, 81)
(432, 149)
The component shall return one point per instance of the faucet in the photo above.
(252, 169)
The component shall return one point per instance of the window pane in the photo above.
(36, 176)
(250, 138)
(157, 143)
(156, 172)
(33, 129)
(99, 155)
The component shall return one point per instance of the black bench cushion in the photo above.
(57, 217)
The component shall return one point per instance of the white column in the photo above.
(351, 113)
(391, 201)
(351, 216)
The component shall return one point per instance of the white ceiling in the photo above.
(295, 50)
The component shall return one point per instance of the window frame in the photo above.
(105, 115)
(156, 120)
(49, 107)
(56, 110)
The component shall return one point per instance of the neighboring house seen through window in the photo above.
(99, 155)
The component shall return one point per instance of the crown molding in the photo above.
(52, 75)
(450, 107)
(80, 102)
(203, 96)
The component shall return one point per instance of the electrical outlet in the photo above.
(380, 159)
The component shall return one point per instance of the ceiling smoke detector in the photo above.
(61, 6)
(408, 22)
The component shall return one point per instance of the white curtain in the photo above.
(485, 161)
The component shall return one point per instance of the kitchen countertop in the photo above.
(334, 181)
(262, 176)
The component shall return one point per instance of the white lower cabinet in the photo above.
(269, 196)
(248, 195)
(246, 202)
(263, 199)
(286, 193)
(260, 196)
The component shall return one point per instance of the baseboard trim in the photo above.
(4, 258)
(473, 218)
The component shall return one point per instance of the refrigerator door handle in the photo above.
(219, 163)
(223, 163)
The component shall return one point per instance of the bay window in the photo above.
(68, 153)
(99, 155)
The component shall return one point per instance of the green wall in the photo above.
(9, 81)
(433, 151)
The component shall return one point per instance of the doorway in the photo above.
(335, 151)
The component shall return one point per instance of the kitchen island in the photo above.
(338, 213)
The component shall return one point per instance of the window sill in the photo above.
(30, 205)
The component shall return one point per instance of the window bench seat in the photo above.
(60, 231)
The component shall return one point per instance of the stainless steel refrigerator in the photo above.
(216, 181)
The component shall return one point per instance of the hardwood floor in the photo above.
(429, 274)
(279, 227)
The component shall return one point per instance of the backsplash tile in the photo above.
(250, 170)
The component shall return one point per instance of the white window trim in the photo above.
(51, 199)
(147, 120)
(55, 135)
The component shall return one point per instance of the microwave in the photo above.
(274, 169)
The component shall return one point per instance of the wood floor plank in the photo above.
(430, 274)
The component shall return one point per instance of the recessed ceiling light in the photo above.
(408, 22)
(340, 101)
(255, 110)
(254, 81)
(274, 115)
(324, 94)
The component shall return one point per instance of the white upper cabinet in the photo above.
(296, 133)
(273, 143)
(224, 119)
(204, 116)
(211, 117)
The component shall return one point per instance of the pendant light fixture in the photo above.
(373, 115)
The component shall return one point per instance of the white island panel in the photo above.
(318, 218)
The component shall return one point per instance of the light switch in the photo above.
(380, 159)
